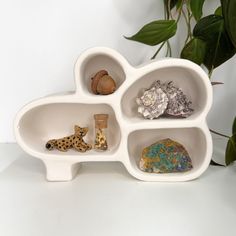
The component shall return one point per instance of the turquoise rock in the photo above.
(165, 156)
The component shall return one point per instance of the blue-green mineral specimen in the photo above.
(165, 156)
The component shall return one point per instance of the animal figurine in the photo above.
(73, 141)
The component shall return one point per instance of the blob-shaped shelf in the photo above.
(128, 132)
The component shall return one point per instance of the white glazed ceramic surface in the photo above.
(128, 133)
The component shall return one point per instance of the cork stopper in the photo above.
(101, 121)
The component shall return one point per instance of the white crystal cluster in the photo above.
(164, 99)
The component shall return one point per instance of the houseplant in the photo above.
(210, 43)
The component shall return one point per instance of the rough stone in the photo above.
(165, 156)
(152, 103)
(178, 103)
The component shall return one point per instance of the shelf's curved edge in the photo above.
(163, 123)
(125, 65)
(70, 158)
(80, 97)
(38, 102)
(174, 177)
(173, 62)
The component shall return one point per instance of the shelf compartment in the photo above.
(57, 120)
(188, 80)
(193, 139)
(96, 62)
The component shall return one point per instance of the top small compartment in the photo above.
(185, 78)
(90, 64)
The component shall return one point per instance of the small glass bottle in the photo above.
(101, 132)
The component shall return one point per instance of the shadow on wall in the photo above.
(132, 13)
(133, 16)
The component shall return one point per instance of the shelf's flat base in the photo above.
(104, 200)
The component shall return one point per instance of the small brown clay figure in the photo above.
(73, 141)
(102, 83)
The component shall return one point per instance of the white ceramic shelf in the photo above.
(128, 132)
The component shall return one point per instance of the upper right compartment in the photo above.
(187, 76)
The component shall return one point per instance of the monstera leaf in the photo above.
(211, 29)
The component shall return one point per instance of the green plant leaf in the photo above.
(155, 32)
(234, 126)
(218, 45)
(229, 14)
(230, 153)
(194, 51)
(196, 8)
(218, 11)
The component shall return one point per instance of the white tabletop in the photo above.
(105, 200)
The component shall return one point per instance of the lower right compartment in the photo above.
(192, 139)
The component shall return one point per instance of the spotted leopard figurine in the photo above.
(73, 141)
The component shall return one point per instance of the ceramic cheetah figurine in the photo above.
(73, 141)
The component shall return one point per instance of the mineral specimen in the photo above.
(164, 99)
(153, 103)
(165, 156)
(178, 103)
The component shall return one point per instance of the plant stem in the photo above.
(166, 14)
(169, 10)
(215, 54)
(216, 83)
(187, 19)
(169, 48)
(189, 22)
(222, 135)
(180, 11)
(210, 72)
(158, 50)
(167, 51)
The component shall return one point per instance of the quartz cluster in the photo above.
(164, 99)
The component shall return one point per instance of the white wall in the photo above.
(40, 41)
